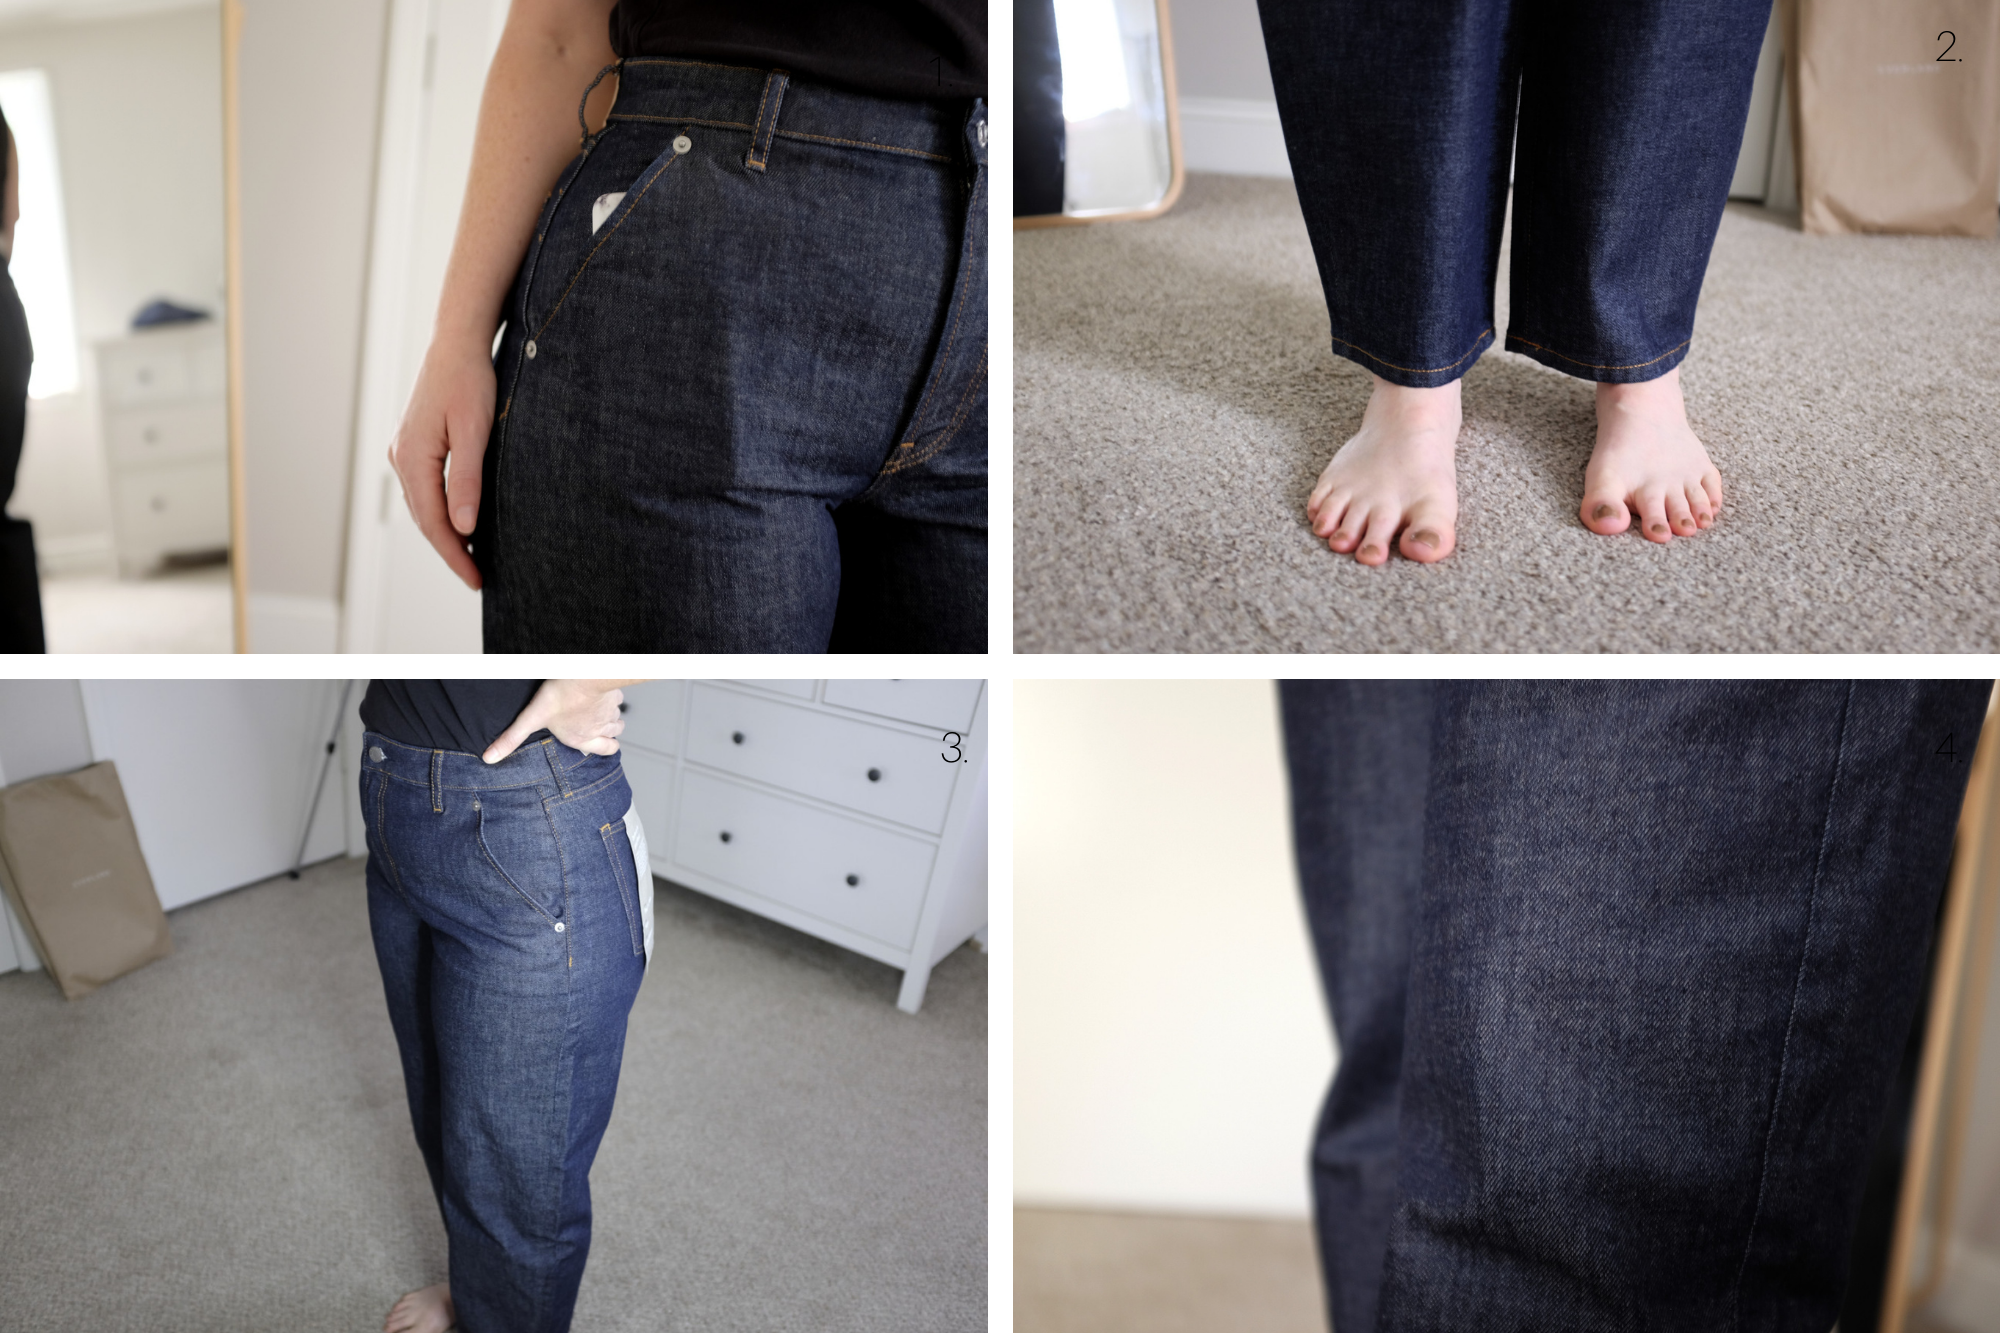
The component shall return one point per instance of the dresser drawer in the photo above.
(944, 704)
(796, 689)
(804, 858)
(653, 716)
(175, 507)
(889, 774)
(134, 373)
(167, 433)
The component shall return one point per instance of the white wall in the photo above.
(138, 117)
(218, 774)
(311, 75)
(1171, 1043)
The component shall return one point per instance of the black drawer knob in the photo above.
(736, 736)
(725, 835)
(623, 708)
(852, 880)
(874, 775)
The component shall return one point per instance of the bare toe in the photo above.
(1377, 540)
(1605, 514)
(1428, 538)
(1331, 507)
(1653, 519)
(1697, 502)
(1678, 517)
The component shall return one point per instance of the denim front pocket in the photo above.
(519, 841)
(624, 871)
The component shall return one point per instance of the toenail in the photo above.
(1659, 527)
(1425, 538)
(1370, 550)
(1607, 511)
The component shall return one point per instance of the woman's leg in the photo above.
(1359, 757)
(506, 916)
(1666, 952)
(1399, 120)
(1631, 122)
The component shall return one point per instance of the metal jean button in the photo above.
(530, 349)
(682, 143)
(375, 753)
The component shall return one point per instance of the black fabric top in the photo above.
(466, 715)
(892, 48)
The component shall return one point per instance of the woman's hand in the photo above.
(582, 714)
(449, 416)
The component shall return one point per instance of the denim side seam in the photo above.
(1791, 1016)
(381, 837)
(1513, 338)
(604, 833)
(1479, 344)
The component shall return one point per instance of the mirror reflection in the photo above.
(1094, 118)
(113, 427)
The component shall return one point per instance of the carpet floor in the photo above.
(1091, 1272)
(219, 1141)
(1175, 398)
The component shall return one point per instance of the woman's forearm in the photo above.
(548, 53)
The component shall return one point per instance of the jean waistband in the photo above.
(764, 102)
(547, 761)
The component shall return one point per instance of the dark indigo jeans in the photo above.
(503, 901)
(747, 412)
(1621, 973)
(1399, 119)
(20, 582)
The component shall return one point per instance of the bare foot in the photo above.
(426, 1311)
(1395, 475)
(1648, 461)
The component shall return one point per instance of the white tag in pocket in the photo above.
(603, 208)
(635, 833)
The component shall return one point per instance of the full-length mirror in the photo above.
(1095, 132)
(114, 428)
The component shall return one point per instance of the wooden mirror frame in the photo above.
(232, 242)
(1178, 176)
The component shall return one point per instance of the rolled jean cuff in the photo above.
(1414, 371)
(1604, 369)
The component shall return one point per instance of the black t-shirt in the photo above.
(892, 48)
(466, 715)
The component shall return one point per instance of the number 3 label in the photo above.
(956, 745)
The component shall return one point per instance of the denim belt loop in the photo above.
(555, 769)
(582, 119)
(767, 120)
(437, 788)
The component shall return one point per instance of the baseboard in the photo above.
(1234, 135)
(281, 623)
(79, 553)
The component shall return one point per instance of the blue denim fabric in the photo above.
(504, 904)
(1399, 119)
(747, 413)
(1619, 1009)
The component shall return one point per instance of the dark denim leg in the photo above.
(522, 887)
(1359, 755)
(1398, 120)
(913, 546)
(1668, 947)
(20, 586)
(1631, 119)
(403, 951)
(689, 391)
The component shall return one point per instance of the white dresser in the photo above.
(854, 810)
(166, 441)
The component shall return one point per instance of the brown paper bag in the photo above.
(1889, 137)
(70, 861)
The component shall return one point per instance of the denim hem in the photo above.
(1411, 377)
(1636, 372)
